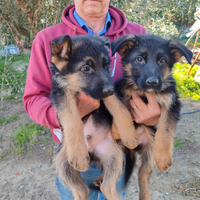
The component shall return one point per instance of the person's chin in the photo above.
(93, 11)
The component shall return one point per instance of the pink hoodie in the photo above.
(38, 84)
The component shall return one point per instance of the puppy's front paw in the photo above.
(79, 160)
(130, 143)
(163, 161)
(129, 139)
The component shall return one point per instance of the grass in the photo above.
(14, 58)
(191, 188)
(187, 140)
(177, 143)
(4, 121)
(3, 155)
(13, 80)
(25, 134)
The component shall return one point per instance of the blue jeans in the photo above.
(89, 176)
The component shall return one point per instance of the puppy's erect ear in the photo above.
(178, 50)
(60, 48)
(122, 44)
(106, 42)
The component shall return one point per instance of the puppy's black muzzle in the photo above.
(152, 82)
(108, 91)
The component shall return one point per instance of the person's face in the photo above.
(92, 7)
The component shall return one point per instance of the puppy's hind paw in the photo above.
(98, 181)
(163, 163)
(79, 162)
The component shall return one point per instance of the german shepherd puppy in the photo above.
(78, 64)
(147, 68)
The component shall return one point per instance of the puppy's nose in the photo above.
(108, 91)
(152, 81)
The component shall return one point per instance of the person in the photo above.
(95, 17)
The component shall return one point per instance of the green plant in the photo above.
(24, 134)
(186, 85)
(12, 81)
(177, 143)
(164, 18)
(4, 121)
(3, 155)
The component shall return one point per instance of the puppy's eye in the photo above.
(162, 61)
(85, 68)
(140, 59)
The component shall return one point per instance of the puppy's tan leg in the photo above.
(112, 168)
(164, 140)
(147, 164)
(114, 131)
(73, 141)
(111, 157)
(123, 120)
(70, 177)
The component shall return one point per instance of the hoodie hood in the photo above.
(38, 84)
(118, 25)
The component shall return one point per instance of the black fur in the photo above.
(147, 63)
(81, 64)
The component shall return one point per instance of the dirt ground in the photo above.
(31, 175)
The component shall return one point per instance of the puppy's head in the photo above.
(148, 59)
(81, 63)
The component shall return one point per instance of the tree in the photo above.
(161, 17)
(30, 16)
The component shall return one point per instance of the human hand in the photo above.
(86, 104)
(147, 114)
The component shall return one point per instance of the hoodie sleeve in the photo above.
(38, 87)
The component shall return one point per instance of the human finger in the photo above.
(86, 104)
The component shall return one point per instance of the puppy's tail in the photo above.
(130, 163)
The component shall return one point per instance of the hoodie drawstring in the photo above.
(113, 71)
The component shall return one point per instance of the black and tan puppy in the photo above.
(81, 64)
(147, 68)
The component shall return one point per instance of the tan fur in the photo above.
(128, 69)
(73, 155)
(115, 132)
(69, 176)
(73, 82)
(160, 150)
(167, 73)
(164, 140)
(147, 165)
(125, 48)
(60, 65)
(165, 99)
(123, 121)
(112, 163)
(55, 59)
(75, 150)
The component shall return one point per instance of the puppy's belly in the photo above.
(143, 135)
(98, 139)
